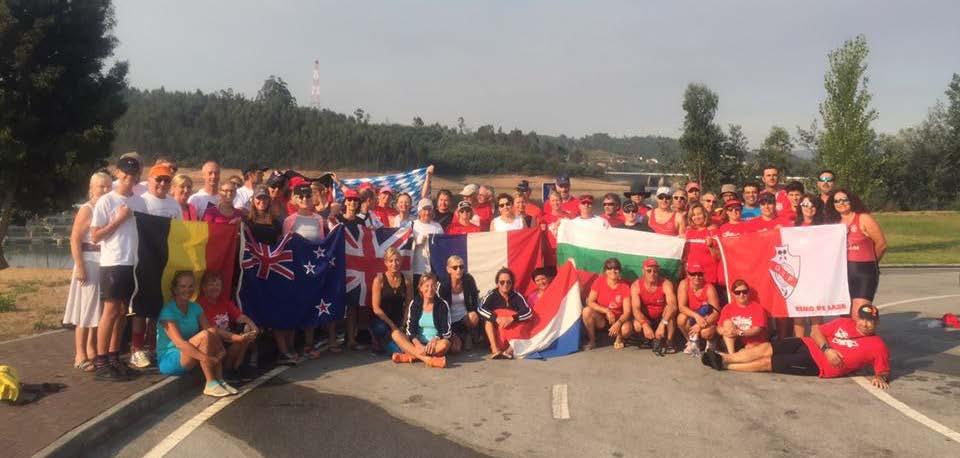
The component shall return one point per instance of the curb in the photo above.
(75, 442)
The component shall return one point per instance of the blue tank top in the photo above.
(427, 329)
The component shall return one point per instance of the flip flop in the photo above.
(85, 366)
(496, 355)
(618, 345)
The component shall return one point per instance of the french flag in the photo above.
(484, 253)
(554, 329)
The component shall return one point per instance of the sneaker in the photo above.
(288, 360)
(657, 347)
(710, 346)
(689, 349)
(437, 361)
(140, 359)
(216, 390)
(229, 388)
(125, 370)
(231, 376)
(400, 358)
(108, 373)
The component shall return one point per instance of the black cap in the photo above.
(868, 312)
(128, 165)
(636, 189)
(302, 190)
(254, 168)
(523, 186)
(276, 180)
(629, 206)
(563, 180)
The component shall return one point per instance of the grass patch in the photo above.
(25, 287)
(921, 237)
(8, 303)
(43, 325)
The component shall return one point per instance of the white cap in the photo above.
(663, 190)
(424, 203)
(469, 190)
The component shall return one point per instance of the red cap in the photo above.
(351, 194)
(691, 185)
(694, 268)
(651, 262)
(586, 198)
(366, 185)
(386, 189)
(732, 203)
(296, 181)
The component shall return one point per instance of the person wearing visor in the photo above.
(699, 309)
(663, 219)
(838, 348)
(383, 211)
(693, 192)
(768, 219)
(463, 224)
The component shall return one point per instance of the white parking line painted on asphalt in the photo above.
(561, 411)
(900, 406)
(181, 433)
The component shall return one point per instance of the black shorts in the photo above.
(863, 278)
(116, 283)
(791, 356)
(460, 328)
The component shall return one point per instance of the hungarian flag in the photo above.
(293, 283)
(364, 252)
(793, 271)
(170, 245)
(484, 253)
(554, 329)
(590, 247)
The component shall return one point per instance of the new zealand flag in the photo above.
(292, 283)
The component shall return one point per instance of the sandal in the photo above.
(310, 353)
(588, 347)
(618, 345)
(85, 366)
(497, 355)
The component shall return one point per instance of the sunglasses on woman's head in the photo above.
(826, 179)
(741, 292)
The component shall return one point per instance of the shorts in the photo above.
(460, 327)
(117, 283)
(704, 310)
(653, 313)
(791, 356)
(863, 278)
(169, 363)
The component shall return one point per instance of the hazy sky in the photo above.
(550, 66)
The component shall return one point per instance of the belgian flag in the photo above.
(170, 245)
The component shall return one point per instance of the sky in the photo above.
(555, 67)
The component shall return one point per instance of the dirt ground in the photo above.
(37, 298)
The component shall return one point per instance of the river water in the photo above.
(38, 255)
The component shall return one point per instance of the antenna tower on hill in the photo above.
(315, 88)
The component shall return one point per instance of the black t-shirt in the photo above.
(641, 225)
(266, 232)
(444, 219)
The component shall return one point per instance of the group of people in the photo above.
(422, 317)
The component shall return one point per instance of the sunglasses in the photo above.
(734, 209)
(826, 179)
(456, 267)
(304, 196)
(663, 197)
(505, 282)
(351, 199)
(841, 201)
(650, 270)
(695, 274)
(741, 292)
(163, 180)
(609, 204)
(589, 204)
(806, 205)
(505, 205)
(629, 211)
(679, 198)
(612, 268)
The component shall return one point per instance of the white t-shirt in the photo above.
(498, 225)
(242, 199)
(591, 222)
(421, 244)
(458, 308)
(201, 199)
(167, 207)
(309, 227)
(395, 221)
(120, 248)
(138, 188)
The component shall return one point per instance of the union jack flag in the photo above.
(364, 256)
(267, 259)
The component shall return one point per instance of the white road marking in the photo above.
(561, 411)
(900, 406)
(184, 430)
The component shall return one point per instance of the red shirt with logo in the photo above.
(615, 220)
(856, 349)
(729, 229)
(611, 298)
(456, 228)
(221, 313)
(744, 318)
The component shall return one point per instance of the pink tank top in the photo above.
(859, 247)
(668, 228)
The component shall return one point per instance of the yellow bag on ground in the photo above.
(9, 384)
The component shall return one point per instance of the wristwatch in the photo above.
(825, 347)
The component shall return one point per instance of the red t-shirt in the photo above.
(699, 253)
(484, 212)
(759, 224)
(533, 211)
(456, 228)
(856, 349)
(613, 221)
(571, 207)
(384, 214)
(744, 318)
(611, 298)
(728, 229)
(221, 313)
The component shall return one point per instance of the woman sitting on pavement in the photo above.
(426, 331)
(500, 308)
(391, 290)
(654, 302)
(742, 321)
(186, 339)
(460, 291)
(225, 316)
(608, 307)
(699, 309)
(83, 301)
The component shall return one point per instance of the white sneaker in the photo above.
(229, 388)
(710, 346)
(140, 359)
(216, 390)
(691, 345)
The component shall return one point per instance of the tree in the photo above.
(417, 121)
(275, 91)
(702, 138)
(58, 102)
(461, 125)
(949, 179)
(776, 150)
(846, 144)
(733, 152)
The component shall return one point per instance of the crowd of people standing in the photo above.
(421, 317)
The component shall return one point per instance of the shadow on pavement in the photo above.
(916, 346)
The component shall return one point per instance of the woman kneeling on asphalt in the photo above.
(427, 327)
(699, 309)
(185, 338)
(608, 307)
(500, 308)
(742, 321)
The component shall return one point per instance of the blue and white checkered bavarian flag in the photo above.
(410, 182)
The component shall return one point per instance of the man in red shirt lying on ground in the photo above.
(838, 348)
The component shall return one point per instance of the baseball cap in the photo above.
(694, 268)
(260, 191)
(728, 188)
(563, 180)
(663, 191)
(365, 185)
(635, 190)
(629, 206)
(133, 155)
(302, 189)
(692, 185)
(424, 203)
(275, 180)
(162, 170)
(128, 165)
(651, 262)
(469, 190)
(351, 194)
(868, 312)
(767, 198)
(733, 203)
(296, 181)
(586, 198)
(254, 168)
(464, 204)
(523, 186)
(386, 189)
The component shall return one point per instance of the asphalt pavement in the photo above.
(620, 403)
